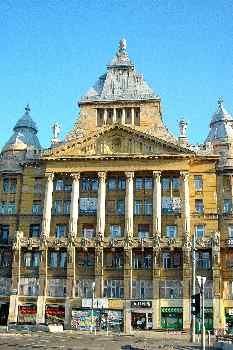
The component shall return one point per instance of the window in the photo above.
(171, 289)
(114, 260)
(60, 230)
(57, 207)
(86, 259)
(29, 286)
(88, 206)
(59, 185)
(171, 260)
(120, 207)
(53, 259)
(143, 231)
(203, 260)
(228, 290)
(112, 184)
(147, 207)
(6, 185)
(63, 260)
(171, 205)
(227, 206)
(148, 183)
(142, 289)
(13, 185)
(165, 184)
(142, 260)
(230, 231)
(11, 208)
(4, 232)
(88, 231)
(5, 257)
(199, 206)
(171, 231)
(167, 260)
(121, 183)
(56, 287)
(84, 288)
(36, 208)
(37, 185)
(85, 184)
(94, 185)
(113, 288)
(115, 231)
(200, 231)
(138, 207)
(175, 184)
(57, 259)
(138, 184)
(198, 182)
(34, 230)
(5, 286)
(110, 207)
(31, 259)
(66, 208)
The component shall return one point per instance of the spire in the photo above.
(27, 109)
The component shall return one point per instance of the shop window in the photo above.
(56, 287)
(137, 207)
(37, 185)
(27, 313)
(4, 233)
(147, 207)
(34, 230)
(60, 230)
(59, 185)
(120, 207)
(165, 183)
(199, 206)
(121, 183)
(203, 260)
(88, 206)
(138, 183)
(227, 206)
(113, 288)
(54, 314)
(5, 257)
(86, 259)
(198, 183)
(88, 231)
(171, 231)
(143, 231)
(115, 231)
(200, 231)
(29, 286)
(230, 231)
(36, 208)
(171, 289)
(66, 207)
(5, 285)
(142, 289)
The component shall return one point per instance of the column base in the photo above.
(40, 315)
(13, 309)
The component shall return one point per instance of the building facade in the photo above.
(99, 226)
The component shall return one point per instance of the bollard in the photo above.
(209, 339)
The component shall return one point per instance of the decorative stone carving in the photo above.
(187, 244)
(216, 248)
(99, 240)
(216, 240)
(43, 241)
(17, 240)
(84, 243)
(128, 243)
(156, 242)
(171, 242)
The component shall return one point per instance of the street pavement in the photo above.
(84, 341)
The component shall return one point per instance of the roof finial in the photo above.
(122, 44)
(27, 108)
(220, 102)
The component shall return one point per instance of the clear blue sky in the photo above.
(53, 51)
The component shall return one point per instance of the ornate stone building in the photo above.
(104, 219)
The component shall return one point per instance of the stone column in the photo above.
(185, 201)
(40, 316)
(48, 202)
(105, 116)
(114, 115)
(157, 203)
(74, 205)
(101, 204)
(156, 282)
(123, 116)
(129, 203)
(132, 116)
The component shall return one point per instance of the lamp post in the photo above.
(201, 281)
(92, 305)
(193, 285)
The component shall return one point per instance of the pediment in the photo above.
(117, 140)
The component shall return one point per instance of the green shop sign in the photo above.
(176, 310)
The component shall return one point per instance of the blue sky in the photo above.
(53, 51)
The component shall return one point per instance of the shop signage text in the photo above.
(145, 304)
(96, 303)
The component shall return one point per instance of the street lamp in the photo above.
(92, 305)
(201, 282)
(193, 285)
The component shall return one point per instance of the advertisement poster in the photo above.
(54, 314)
(27, 313)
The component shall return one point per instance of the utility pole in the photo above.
(92, 305)
(201, 281)
(193, 286)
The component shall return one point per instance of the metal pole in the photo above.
(92, 313)
(193, 285)
(203, 314)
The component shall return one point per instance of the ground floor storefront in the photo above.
(4, 312)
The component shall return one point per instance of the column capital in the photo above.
(129, 175)
(49, 176)
(75, 176)
(157, 174)
(102, 175)
(184, 174)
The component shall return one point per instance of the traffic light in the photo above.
(196, 304)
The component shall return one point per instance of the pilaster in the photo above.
(48, 201)
(74, 205)
(129, 203)
(101, 204)
(157, 203)
(99, 272)
(128, 272)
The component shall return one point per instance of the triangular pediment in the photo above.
(117, 140)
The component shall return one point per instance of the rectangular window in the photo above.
(198, 182)
(230, 231)
(171, 289)
(200, 231)
(148, 183)
(59, 185)
(37, 185)
(171, 231)
(29, 286)
(57, 207)
(56, 287)
(165, 184)
(138, 207)
(4, 233)
(227, 206)
(121, 183)
(112, 184)
(115, 231)
(27, 258)
(53, 259)
(85, 184)
(6, 185)
(63, 260)
(84, 288)
(147, 207)
(60, 230)
(94, 185)
(113, 289)
(138, 184)
(120, 207)
(88, 206)
(143, 231)
(142, 289)
(88, 231)
(36, 208)
(175, 183)
(203, 260)
(36, 259)
(66, 207)
(199, 206)
(34, 230)
(86, 259)
(11, 208)
(13, 185)
(110, 207)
